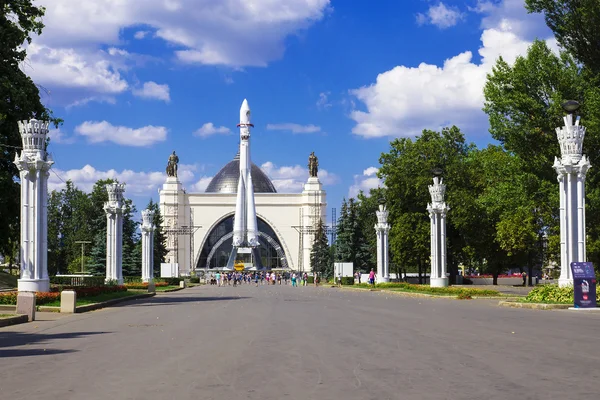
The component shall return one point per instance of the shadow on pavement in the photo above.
(14, 339)
(162, 300)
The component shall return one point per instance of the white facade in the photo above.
(191, 217)
(34, 165)
(437, 214)
(382, 229)
(571, 171)
(114, 208)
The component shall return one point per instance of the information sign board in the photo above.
(584, 284)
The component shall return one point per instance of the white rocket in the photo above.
(245, 229)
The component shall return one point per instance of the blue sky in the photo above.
(135, 80)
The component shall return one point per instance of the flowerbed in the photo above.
(410, 287)
(144, 285)
(553, 294)
(42, 298)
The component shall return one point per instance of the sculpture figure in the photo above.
(313, 165)
(172, 165)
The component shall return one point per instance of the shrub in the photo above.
(42, 298)
(195, 279)
(311, 279)
(550, 294)
(464, 296)
(8, 298)
(172, 281)
(347, 280)
(410, 287)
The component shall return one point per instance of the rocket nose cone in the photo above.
(245, 112)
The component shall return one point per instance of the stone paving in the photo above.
(280, 342)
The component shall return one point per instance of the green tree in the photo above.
(97, 262)
(575, 25)
(407, 172)
(523, 102)
(20, 20)
(320, 256)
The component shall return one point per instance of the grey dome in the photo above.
(226, 180)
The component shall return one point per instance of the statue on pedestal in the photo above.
(172, 165)
(313, 165)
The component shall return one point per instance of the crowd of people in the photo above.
(258, 278)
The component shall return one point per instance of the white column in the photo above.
(437, 214)
(382, 229)
(147, 245)
(33, 164)
(114, 208)
(571, 170)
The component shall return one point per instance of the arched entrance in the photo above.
(218, 245)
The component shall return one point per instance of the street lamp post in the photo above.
(83, 243)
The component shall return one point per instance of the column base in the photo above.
(438, 282)
(383, 279)
(33, 285)
(563, 282)
(115, 281)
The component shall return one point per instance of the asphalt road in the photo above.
(302, 343)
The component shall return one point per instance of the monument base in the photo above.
(564, 282)
(33, 285)
(438, 282)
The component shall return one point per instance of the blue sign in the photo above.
(584, 284)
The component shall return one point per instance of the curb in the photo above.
(17, 319)
(84, 308)
(534, 306)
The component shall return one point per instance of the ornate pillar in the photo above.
(571, 170)
(34, 165)
(437, 214)
(382, 229)
(114, 208)
(147, 245)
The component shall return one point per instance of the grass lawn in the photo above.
(426, 289)
(7, 315)
(8, 281)
(95, 299)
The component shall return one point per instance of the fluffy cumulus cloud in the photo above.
(152, 90)
(209, 129)
(294, 128)
(405, 100)
(366, 181)
(290, 179)
(103, 131)
(138, 183)
(234, 33)
(440, 15)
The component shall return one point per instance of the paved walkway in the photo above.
(302, 343)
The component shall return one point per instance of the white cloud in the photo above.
(58, 136)
(87, 71)
(365, 182)
(405, 100)
(98, 132)
(201, 185)
(323, 102)
(294, 128)
(152, 90)
(137, 183)
(141, 34)
(209, 129)
(291, 179)
(233, 33)
(441, 16)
